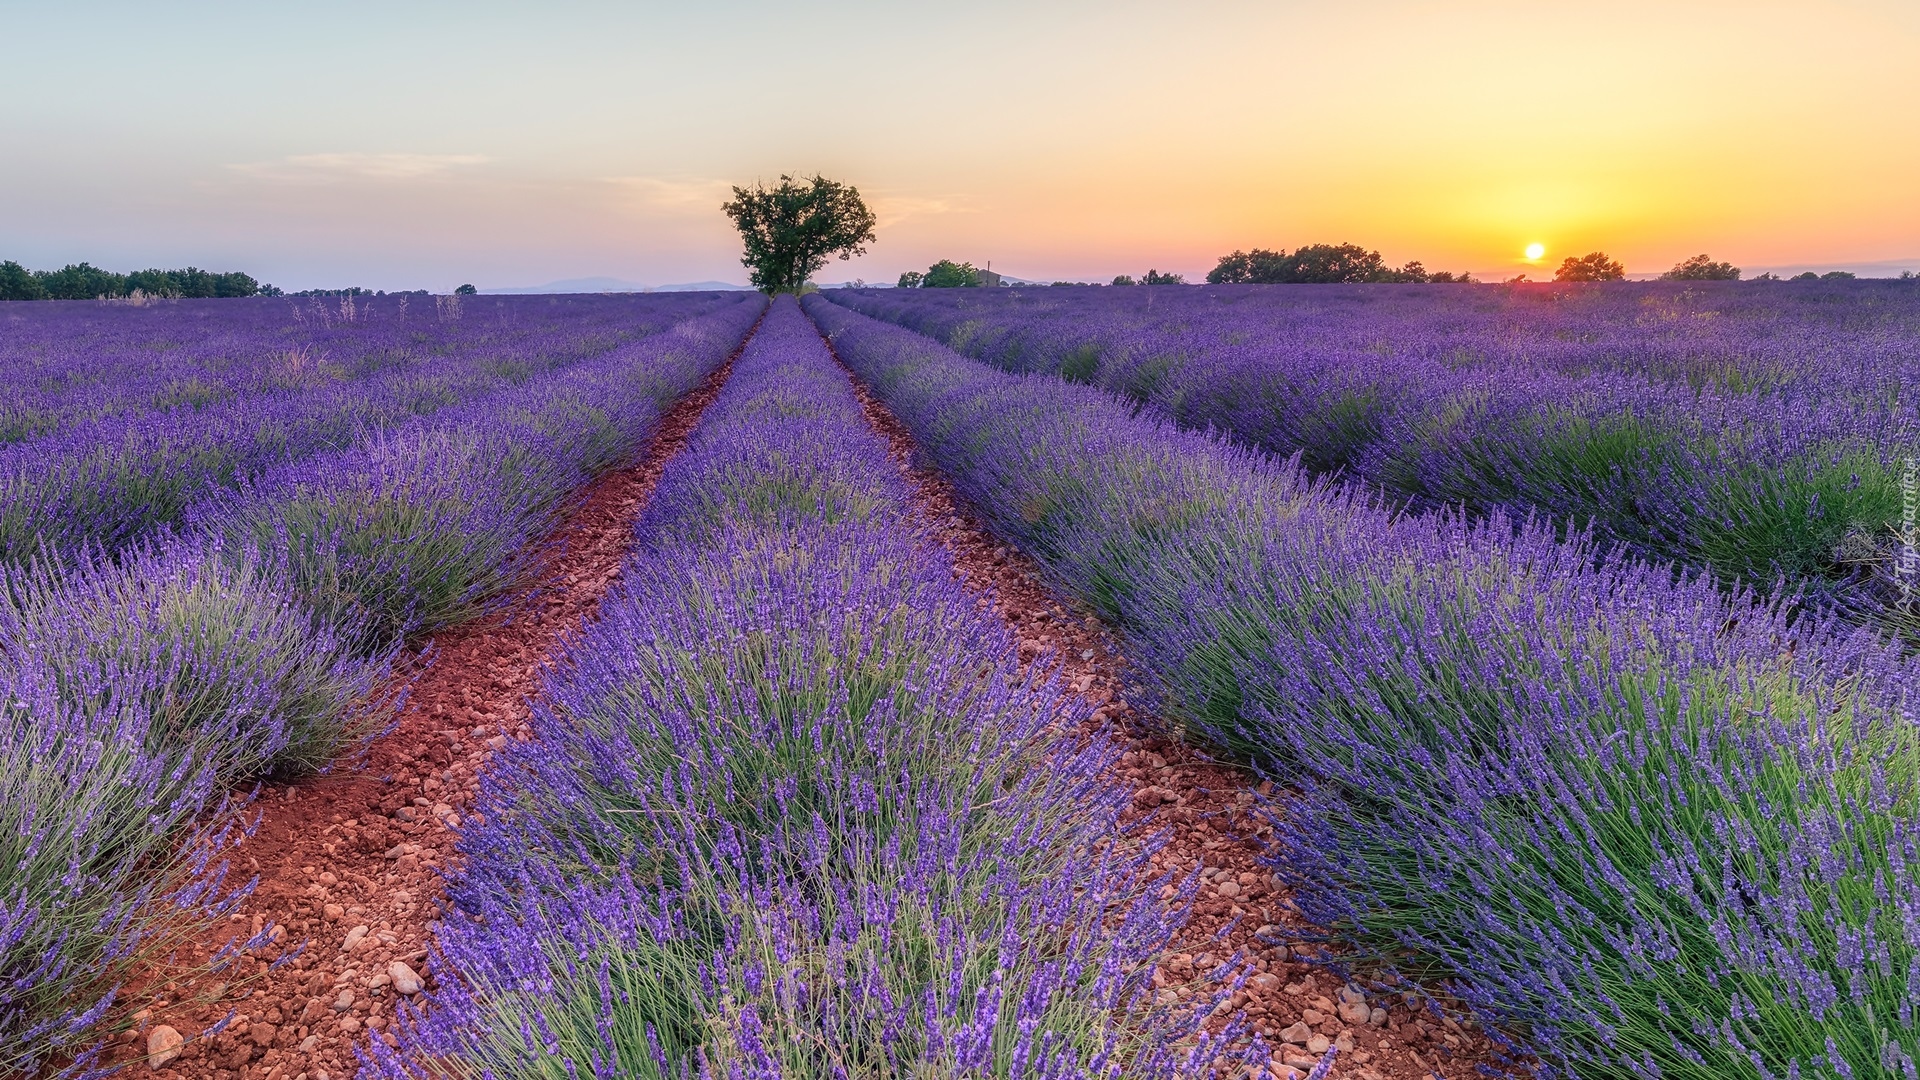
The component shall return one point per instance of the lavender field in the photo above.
(1761, 430)
(1637, 822)
(1557, 636)
(204, 589)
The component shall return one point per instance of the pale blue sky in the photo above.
(425, 144)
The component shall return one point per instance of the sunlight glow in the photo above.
(1534, 251)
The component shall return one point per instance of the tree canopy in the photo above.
(1316, 264)
(19, 283)
(794, 227)
(1593, 266)
(1702, 268)
(1155, 277)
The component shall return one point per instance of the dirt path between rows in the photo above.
(1209, 809)
(349, 863)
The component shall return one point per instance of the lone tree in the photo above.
(1593, 266)
(793, 228)
(1702, 268)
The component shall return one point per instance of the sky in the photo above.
(422, 145)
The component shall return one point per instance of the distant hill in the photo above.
(615, 285)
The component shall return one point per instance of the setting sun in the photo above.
(1534, 251)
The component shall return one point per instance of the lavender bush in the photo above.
(792, 810)
(99, 800)
(1638, 824)
(228, 665)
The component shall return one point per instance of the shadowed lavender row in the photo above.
(791, 809)
(139, 689)
(268, 391)
(1761, 430)
(1639, 825)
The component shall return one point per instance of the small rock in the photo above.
(1345, 1042)
(354, 937)
(1228, 889)
(1265, 983)
(407, 813)
(307, 1044)
(335, 912)
(405, 980)
(344, 1003)
(1355, 1012)
(1299, 1060)
(1318, 1045)
(1299, 1033)
(1313, 1016)
(163, 1045)
(1377, 1018)
(350, 1024)
(262, 1034)
(1348, 993)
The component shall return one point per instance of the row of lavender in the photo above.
(66, 362)
(1638, 825)
(1758, 429)
(181, 429)
(141, 688)
(791, 809)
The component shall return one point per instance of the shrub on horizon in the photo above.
(1593, 266)
(1702, 268)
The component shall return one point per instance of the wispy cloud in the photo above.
(894, 209)
(326, 168)
(671, 195)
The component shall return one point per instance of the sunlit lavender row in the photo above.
(1759, 429)
(791, 809)
(142, 684)
(1636, 825)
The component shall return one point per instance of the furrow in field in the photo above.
(349, 863)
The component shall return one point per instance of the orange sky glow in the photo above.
(510, 146)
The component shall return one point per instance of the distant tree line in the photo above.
(84, 281)
(1319, 264)
(1152, 277)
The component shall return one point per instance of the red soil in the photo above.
(1209, 808)
(358, 853)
